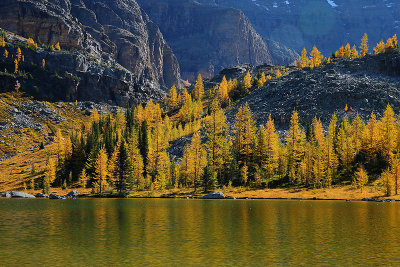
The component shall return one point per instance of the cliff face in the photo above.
(328, 24)
(207, 38)
(112, 32)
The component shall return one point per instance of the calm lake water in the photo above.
(167, 232)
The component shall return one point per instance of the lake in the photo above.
(169, 232)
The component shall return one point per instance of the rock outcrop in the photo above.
(207, 38)
(113, 45)
(365, 85)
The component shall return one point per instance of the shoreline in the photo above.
(338, 193)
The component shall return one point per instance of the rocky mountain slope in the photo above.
(208, 38)
(325, 23)
(109, 33)
(365, 85)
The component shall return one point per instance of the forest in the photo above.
(128, 150)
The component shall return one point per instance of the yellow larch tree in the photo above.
(347, 51)
(388, 132)
(395, 172)
(60, 145)
(100, 173)
(15, 66)
(19, 54)
(95, 115)
(136, 158)
(83, 178)
(2, 41)
(295, 140)
(185, 96)
(371, 137)
(67, 148)
(261, 81)
(364, 45)
(247, 81)
(50, 173)
(198, 159)
(112, 164)
(17, 86)
(278, 74)
(345, 146)
(223, 91)
(304, 60)
(244, 133)
(57, 46)
(354, 52)
(215, 128)
(172, 98)
(5, 54)
(244, 172)
(198, 90)
(268, 146)
(356, 132)
(340, 52)
(315, 58)
(360, 178)
(379, 48)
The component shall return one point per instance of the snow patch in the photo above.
(287, 2)
(333, 4)
(275, 5)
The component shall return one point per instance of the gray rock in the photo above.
(390, 200)
(73, 193)
(368, 199)
(217, 195)
(15, 194)
(52, 196)
(41, 195)
(6, 194)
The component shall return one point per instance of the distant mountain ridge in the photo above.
(207, 38)
(325, 23)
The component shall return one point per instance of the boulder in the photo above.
(390, 200)
(72, 194)
(41, 195)
(52, 196)
(6, 194)
(217, 195)
(15, 194)
(367, 199)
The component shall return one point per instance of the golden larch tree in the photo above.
(364, 45)
(247, 81)
(347, 51)
(19, 54)
(198, 90)
(360, 178)
(100, 173)
(295, 140)
(172, 98)
(315, 57)
(388, 132)
(223, 91)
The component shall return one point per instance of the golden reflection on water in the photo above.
(196, 232)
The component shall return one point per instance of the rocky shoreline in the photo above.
(74, 194)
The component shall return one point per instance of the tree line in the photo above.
(128, 151)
